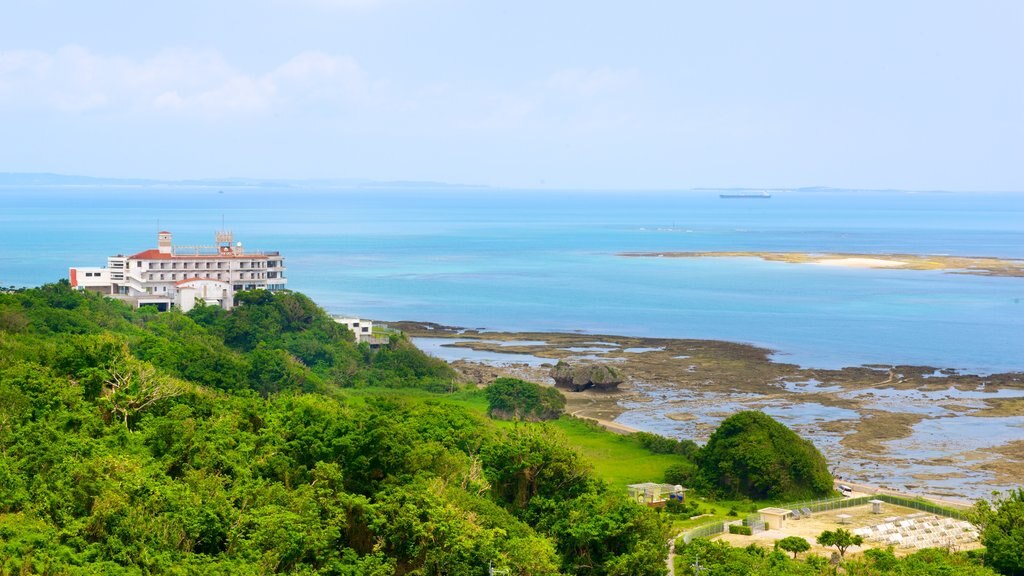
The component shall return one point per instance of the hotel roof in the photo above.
(225, 252)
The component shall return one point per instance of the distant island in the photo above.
(49, 180)
(975, 265)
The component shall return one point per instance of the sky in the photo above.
(557, 94)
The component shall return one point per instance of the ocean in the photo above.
(547, 261)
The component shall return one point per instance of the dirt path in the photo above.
(868, 489)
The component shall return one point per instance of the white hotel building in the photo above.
(180, 276)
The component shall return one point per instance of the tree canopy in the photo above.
(841, 538)
(1002, 531)
(717, 558)
(794, 544)
(515, 399)
(753, 455)
(263, 440)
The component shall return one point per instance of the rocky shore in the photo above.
(915, 428)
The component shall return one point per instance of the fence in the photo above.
(704, 531)
(815, 506)
(923, 506)
(840, 503)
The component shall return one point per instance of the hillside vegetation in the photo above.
(219, 442)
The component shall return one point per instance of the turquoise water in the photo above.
(508, 260)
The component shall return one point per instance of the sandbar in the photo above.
(974, 265)
(860, 262)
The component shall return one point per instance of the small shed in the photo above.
(656, 495)
(774, 518)
(876, 506)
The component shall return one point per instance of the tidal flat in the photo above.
(921, 429)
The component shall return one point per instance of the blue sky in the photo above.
(569, 94)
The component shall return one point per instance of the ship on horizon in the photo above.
(756, 195)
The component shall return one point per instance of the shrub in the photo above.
(662, 445)
(515, 399)
(742, 530)
(681, 474)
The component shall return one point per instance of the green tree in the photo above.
(794, 544)
(134, 386)
(1002, 531)
(842, 539)
(515, 399)
(753, 455)
(531, 462)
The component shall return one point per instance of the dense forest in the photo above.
(264, 440)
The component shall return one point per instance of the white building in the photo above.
(180, 276)
(363, 329)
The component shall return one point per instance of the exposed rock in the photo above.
(583, 376)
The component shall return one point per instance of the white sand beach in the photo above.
(860, 262)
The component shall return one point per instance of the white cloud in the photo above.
(76, 80)
(313, 75)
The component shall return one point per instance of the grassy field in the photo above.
(618, 459)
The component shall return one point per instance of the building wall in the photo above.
(92, 278)
(208, 291)
(363, 329)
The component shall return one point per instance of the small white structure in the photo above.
(656, 495)
(876, 506)
(92, 278)
(843, 518)
(774, 518)
(363, 329)
(207, 290)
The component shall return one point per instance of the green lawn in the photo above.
(618, 459)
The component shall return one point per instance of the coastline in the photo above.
(909, 429)
(973, 265)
